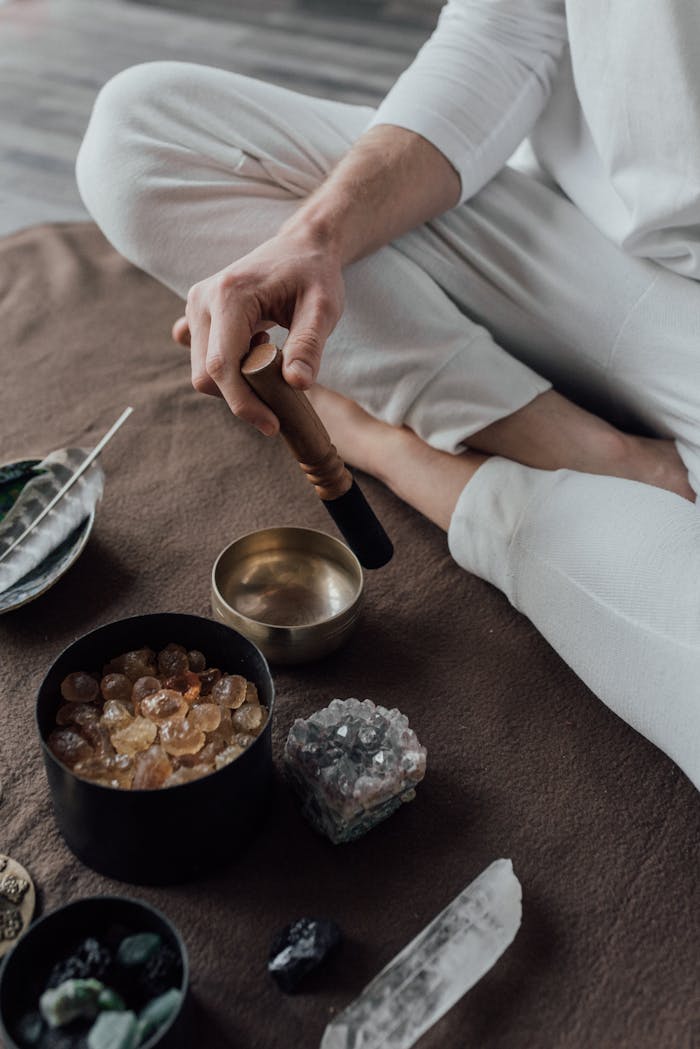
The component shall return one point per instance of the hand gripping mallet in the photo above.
(312, 448)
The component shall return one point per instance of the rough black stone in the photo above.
(90, 960)
(160, 972)
(299, 948)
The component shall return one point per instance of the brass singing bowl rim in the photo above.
(293, 632)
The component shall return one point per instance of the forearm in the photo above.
(445, 129)
(390, 181)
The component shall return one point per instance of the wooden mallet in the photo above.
(312, 448)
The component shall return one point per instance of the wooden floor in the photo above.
(55, 54)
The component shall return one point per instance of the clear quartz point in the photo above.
(441, 964)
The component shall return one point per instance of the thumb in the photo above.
(304, 346)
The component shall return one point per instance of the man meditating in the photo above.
(514, 350)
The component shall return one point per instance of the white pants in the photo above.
(186, 168)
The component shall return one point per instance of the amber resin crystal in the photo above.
(154, 719)
(353, 764)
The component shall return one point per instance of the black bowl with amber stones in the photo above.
(174, 833)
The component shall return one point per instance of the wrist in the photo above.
(320, 228)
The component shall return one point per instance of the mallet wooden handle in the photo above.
(311, 446)
(300, 425)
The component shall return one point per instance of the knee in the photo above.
(125, 145)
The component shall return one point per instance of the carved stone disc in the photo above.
(17, 902)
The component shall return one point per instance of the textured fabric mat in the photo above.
(523, 761)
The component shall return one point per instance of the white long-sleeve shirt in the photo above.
(608, 92)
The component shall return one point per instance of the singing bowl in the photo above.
(294, 592)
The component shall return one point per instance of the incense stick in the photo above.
(88, 461)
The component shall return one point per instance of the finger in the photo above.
(229, 341)
(180, 332)
(310, 327)
(199, 325)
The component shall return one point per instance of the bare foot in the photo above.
(427, 479)
(369, 444)
(657, 462)
(361, 440)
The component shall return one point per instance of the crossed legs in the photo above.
(186, 168)
(607, 569)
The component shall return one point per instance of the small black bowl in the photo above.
(175, 833)
(26, 968)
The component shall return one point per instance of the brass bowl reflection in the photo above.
(295, 592)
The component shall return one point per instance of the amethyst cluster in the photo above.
(352, 764)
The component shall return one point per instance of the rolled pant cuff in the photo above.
(476, 387)
(486, 519)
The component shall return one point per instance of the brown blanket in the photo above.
(523, 761)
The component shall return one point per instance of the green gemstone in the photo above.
(29, 1029)
(68, 1001)
(109, 1000)
(135, 950)
(114, 1031)
(158, 1011)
